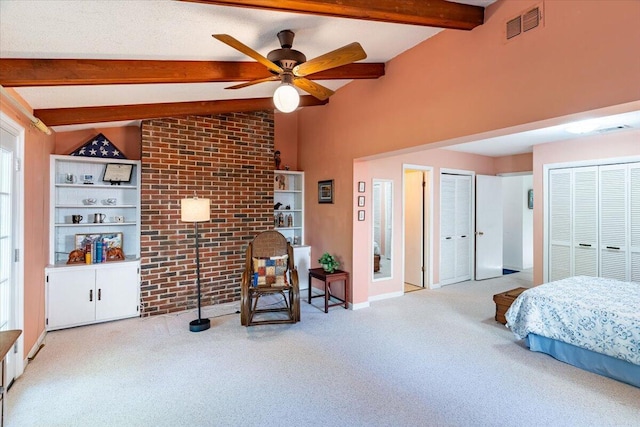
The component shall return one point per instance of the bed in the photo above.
(592, 323)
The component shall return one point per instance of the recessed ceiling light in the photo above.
(583, 126)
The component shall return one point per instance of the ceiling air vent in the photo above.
(513, 27)
(613, 128)
(531, 19)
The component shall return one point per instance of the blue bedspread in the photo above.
(601, 315)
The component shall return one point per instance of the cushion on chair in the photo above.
(270, 271)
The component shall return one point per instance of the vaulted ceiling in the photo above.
(109, 63)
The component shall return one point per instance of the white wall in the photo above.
(517, 252)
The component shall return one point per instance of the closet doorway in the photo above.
(417, 226)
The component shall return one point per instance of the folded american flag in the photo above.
(100, 147)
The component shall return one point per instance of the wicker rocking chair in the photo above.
(269, 270)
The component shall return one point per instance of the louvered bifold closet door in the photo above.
(455, 228)
(463, 228)
(585, 221)
(559, 224)
(447, 229)
(634, 220)
(613, 221)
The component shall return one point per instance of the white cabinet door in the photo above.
(117, 291)
(70, 297)
(302, 261)
(559, 224)
(613, 222)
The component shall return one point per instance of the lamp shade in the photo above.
(195, 210)
(286, 98)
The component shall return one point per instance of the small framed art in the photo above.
(361, 186)
(117, 173)
(360, 201)
(325, 191)
(361, 215)
(530, 199)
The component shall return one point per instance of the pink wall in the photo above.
(463, 83)
(613, 146)
(126, 138)
(37, 149)
(516, 163)
(391, 168)
(286, 139)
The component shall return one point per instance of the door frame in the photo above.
(11, 126)
(427, 237)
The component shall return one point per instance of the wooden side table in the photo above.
(328, 279)
(7, 340)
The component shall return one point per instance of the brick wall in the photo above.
(226, 158)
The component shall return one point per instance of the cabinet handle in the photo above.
(585, 245)
(99, 294)
(90, 294)
(613, 247)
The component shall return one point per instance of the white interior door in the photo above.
(413, 227)
(489, 227)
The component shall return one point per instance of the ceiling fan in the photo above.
(290, 67)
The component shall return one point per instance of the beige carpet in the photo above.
(428, 358)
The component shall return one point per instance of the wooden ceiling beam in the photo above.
(15, 72)
(116, 113)
(432, 13)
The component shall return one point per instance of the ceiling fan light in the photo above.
(286, 98)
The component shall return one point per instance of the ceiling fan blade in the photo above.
(254, 82)
(315, 89)
(345, 55)
(237, 45)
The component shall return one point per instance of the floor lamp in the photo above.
(196, 210)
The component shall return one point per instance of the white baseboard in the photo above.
(359, 305)
(435, 286)
(386, 296)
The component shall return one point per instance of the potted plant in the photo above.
(328, 262)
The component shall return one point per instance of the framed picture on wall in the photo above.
(361, 215)
(360, 201)
(530, 199)
(325, 191)
(361, 186)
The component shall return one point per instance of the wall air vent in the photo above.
(514, 27)
(531, 19)
(525, 21)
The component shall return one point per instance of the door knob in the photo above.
(479, 233)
